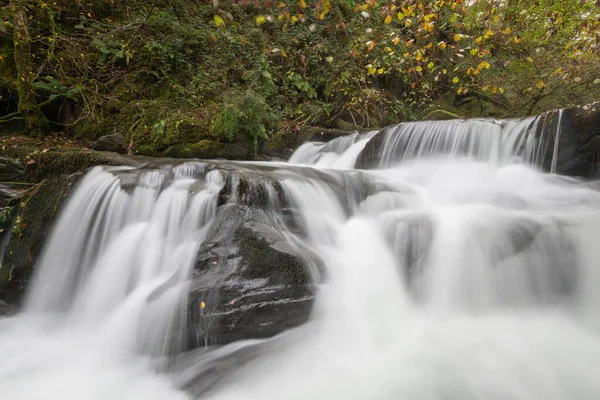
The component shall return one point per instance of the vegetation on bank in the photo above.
(171, 74)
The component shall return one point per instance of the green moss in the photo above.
(33, 217)
(61, 162)
(208, 149)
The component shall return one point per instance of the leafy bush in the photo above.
(242, 114)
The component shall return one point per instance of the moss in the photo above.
(61, 162)
(209, 149)
(440, 115)
(39, 207)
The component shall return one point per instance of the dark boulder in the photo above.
(116, 143)
(251, 279)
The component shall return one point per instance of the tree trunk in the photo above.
(37, 124)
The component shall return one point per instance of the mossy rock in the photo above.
(440, 115)
(31, 221)
(60, 162)
(210, 149)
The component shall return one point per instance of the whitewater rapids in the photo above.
(462, 278)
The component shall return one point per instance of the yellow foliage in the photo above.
(218, 21)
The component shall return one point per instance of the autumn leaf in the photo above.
(218, 21)
(455, 79)
(202, 304)
(302, 4)
(260, 20)
(540, 85)
(457, 37)
(380, 71)
(388, 20)
(516, 39)
(430, 65)
(419, 68)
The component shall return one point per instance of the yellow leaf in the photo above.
(260, 20)
(380, 71)
(455, 79)
(419, 56)
(203, 304)
(516, 39)
(407, 23)
(283, 53)
(419, 68)
(302, 4)
(507, 30)
(501, 90)
(540, 85)
(442, 45)
(476, 72)
(218, 21)
(370, 45)
(485, 88)
(481, 65)
(459, 91)
(388, 49)
(282, 5)
(494, 90)
(444, 71)
(400, 16)
(388, 20)
(487, 65)
(529, 59)
(479, 39)
(456, 37)
(430, 65)
(372, 70)
(396, 40)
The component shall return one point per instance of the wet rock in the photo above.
(579, 140)
(251, 279)
(116, 143)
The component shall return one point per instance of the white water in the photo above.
(459, 279)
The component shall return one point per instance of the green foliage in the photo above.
(171, 73)
(242, 114)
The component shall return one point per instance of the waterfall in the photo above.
(453, 268)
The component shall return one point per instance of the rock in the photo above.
(579, 146)
(116, 143)
(253, 282)
(210, 149)
(51, 177)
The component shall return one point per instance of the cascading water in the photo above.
(462, 272)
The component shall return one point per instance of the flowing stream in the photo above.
(454, 269)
